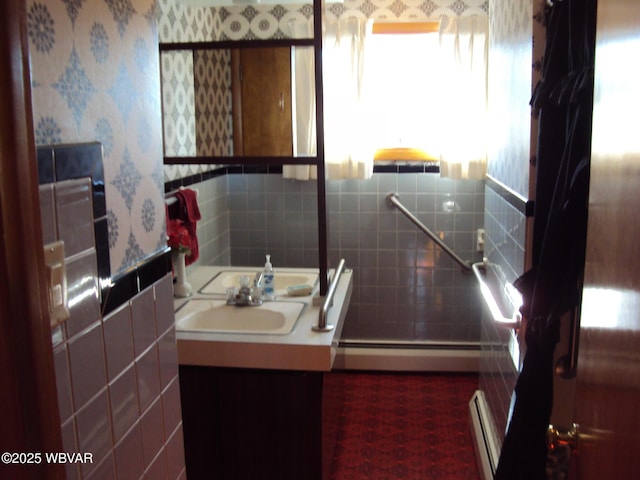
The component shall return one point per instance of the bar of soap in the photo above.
(299, 290)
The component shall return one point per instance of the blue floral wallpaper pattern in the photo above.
(95, 77)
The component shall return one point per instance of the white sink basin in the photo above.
(231, 278)
(273, 318)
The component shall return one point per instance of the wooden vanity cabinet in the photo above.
(262, 102)
(259, 424)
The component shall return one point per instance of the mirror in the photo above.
(241, 101)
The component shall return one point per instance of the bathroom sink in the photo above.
(231, 278)
(274, 318)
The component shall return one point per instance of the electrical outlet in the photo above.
(480, 240)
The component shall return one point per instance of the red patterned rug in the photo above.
(406, 426)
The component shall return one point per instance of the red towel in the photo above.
(189, 213)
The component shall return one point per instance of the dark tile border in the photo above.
(128, 284)
(193, 179)
(57, 163)
(173, 185)
(526, 207)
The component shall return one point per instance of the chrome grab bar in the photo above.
(393, 201)
(498, 317)
(323, 326)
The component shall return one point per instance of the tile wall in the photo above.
(269, 214)
(115, 357)
(505, 247)
(514, 70)
(404, 288)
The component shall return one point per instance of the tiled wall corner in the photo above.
(116, 366)
(120, 403)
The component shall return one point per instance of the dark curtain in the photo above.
(564, 99)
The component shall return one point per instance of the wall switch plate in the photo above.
(56, 282)
(480, 240)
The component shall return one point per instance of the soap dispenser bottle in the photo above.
(268, 291)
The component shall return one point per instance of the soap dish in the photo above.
(299, 290)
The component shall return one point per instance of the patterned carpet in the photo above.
(406, 426)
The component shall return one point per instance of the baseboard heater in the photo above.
(408, 356)
(486, 443)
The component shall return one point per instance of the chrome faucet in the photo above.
(246, 295)
(257, 280)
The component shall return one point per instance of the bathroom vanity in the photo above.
(258, 398)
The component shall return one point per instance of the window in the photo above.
(425, 93)
(402, 91)
(418, 96)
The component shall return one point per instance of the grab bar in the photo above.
(498, 317)
(393, 201)
(323, 326)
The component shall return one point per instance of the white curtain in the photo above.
(304, 98)
(348, 154)
(463, 112)
(456, 126)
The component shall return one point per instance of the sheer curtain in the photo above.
(348, 153)
(463, 111)
(304, 98)
(453, 126)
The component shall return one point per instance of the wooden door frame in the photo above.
(28, 399)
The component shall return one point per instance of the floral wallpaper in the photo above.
(94, 74)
